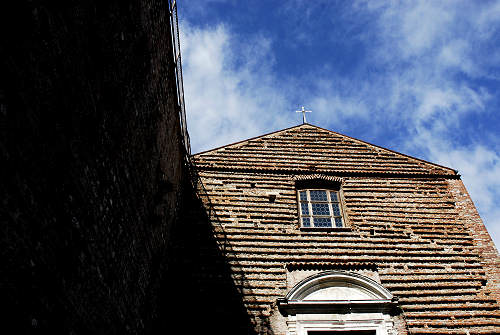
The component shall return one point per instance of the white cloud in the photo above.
(422, 26)
(456, 54)
(229, 91)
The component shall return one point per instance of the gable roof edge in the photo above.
(393, 151)
(245, 140)
(455, 172)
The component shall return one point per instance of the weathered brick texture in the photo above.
(410, 220)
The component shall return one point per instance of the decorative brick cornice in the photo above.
(323, 266)
(318, 176)
(340, 174)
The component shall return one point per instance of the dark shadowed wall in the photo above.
(93, 164)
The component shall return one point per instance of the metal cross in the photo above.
(303, 111)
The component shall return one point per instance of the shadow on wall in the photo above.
(89, 128)
(199, 295)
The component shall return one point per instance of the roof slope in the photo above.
(311, 148)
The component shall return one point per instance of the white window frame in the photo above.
(311, 216)
(323, 323)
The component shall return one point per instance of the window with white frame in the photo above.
(320, 208)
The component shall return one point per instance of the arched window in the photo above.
(334, 301)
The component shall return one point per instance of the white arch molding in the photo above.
(338, 301)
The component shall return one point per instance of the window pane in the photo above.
(304, 208)
(317, 195)
(336, 209)
(322, 222)
(303, 195)
(320, 209)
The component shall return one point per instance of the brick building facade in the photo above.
(384, 243)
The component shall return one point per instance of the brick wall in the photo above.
(483, 244)
(92, 162)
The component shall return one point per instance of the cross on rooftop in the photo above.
(303, 111)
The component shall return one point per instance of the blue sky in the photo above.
(419, 77)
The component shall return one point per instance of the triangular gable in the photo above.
(311, 148)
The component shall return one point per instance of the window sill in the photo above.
(347, 229)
